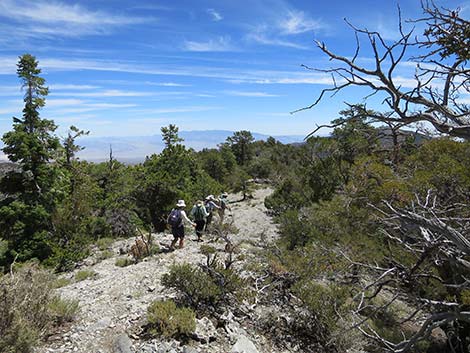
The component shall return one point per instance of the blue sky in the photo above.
(126, 68)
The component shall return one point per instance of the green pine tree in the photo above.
(31, 193)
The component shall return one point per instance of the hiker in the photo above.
(223, 203)
(176, 219)
(199, 214)
(210, 205)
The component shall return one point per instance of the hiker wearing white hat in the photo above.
(176, 220)
(223, 205)
(210, 206)
(199, 214)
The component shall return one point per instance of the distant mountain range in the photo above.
(135, 148)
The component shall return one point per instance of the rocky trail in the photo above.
(113, 303)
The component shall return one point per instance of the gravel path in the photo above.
(116, 299)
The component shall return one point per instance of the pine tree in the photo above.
(30, 190)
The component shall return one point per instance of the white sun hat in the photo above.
(180, 203)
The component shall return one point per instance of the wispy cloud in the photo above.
(66, 108)
(10, 110)
(261, 36)
(72, 87)
(251, 94)
(298, 22)
(191, 109)
(54, 103)
(222, 43)
(8, 91)
(50, 18)
(281, 28)
(216, 16)
(105, 93)
(232, 75)
(167, 84)
(315, 80)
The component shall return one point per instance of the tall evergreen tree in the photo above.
(241, 144)
(31, 196)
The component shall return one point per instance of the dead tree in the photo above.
(437, 238)
(142, 246)
(433, 94)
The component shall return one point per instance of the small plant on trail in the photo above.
(210, 252)
(104, 243)
(123, 262)
(63, 310)
(61, 282)
(167, 320)
(84, 274)
(105, 254)
(224, 231)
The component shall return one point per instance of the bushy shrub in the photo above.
(325, 302)
(205, 287)
(195, 286)
(294, 327)
(28, 309)
(167, 320)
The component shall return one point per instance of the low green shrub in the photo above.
(63, 310)
(205, 287)
(105, 254)
(61, 282)
(195, 286)
(123, 262)
(104, 243)
(154, 249)
(325, 302)
(167, 320)
(84, 274)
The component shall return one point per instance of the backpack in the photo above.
(223, 204)
(199, 213)
(175, 218)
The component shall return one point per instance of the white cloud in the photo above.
(250, 94)
(261, 37)
(232, 75)
(105, 93)
(7, 91)
(50, 18)
(318, 80)
(298, 22)
(111, 105)
(218, 44)
(8, 65)
(53, 103)
(10, 110)
(72, 87)
(216, 16)
(168, 84)
(191, 109)
(279, 28)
